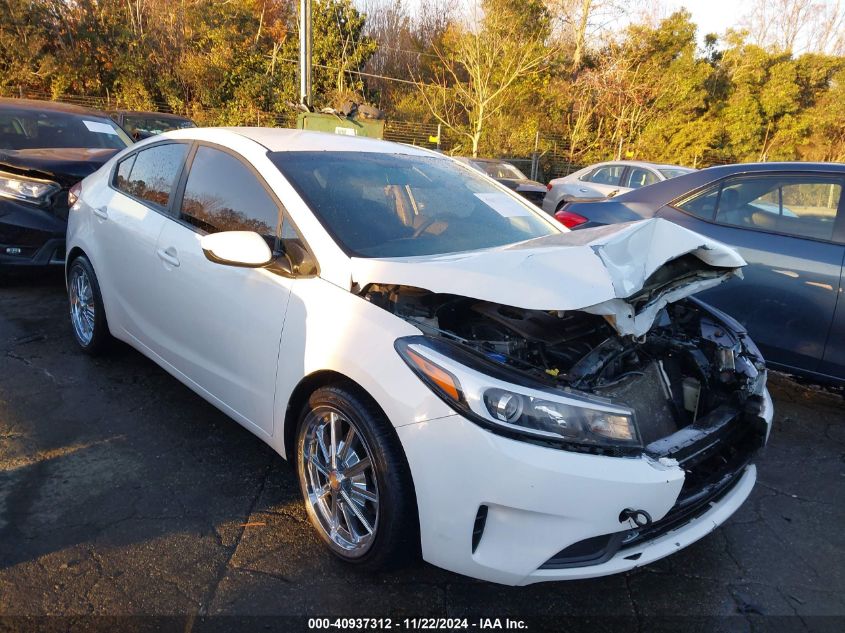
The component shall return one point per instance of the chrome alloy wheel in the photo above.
(82, 306)
(340, 483)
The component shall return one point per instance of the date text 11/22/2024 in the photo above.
(417, 624)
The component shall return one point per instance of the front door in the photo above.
(223, 323)
(783, 226)
(833, 363)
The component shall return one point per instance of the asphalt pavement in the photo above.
(122, 493)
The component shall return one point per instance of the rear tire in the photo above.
(355, 480)
(87, 315)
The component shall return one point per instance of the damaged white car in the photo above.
(450, 370)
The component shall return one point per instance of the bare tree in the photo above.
(829, 29)
(474, 76)
(578, 22)
(797, 25)
(405, 37)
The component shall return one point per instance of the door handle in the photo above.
(101, 212)
(582, 190)
(168, 256)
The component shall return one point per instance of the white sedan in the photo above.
(604, 180)
(450, 370)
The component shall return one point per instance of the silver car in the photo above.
(605, 180)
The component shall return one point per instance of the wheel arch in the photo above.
(327, 377)
(74, 253)
(323, 378)
(303, 390)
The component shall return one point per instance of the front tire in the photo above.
(87, 315)
(355, 480)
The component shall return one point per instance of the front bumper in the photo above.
(540, 501)
(30, 235)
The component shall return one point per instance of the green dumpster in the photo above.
(333, 124)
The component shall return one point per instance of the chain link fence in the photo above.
(550, 159)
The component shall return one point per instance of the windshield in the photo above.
(394, 205)
(674, 173)
(155, 125)
(499, 170)
(34, 129)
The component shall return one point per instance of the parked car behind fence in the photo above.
(145, 124)
(605, 180)
(510, 176)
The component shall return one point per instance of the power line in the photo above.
(404, 50)
(357, 72)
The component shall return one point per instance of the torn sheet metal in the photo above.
(593, 270)
(626, 320)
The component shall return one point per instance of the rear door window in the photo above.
(150, 175)
(702, 205)
(639, 177)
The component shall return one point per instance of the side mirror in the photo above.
(237, 248)
(301, 262)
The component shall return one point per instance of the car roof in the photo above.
(162, 115)
(36, 105)
(668, 190)
(642, 163)
(288, 140)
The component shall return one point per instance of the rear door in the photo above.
(127, 227)
(221, 325)
(785, 226)
(637, 177)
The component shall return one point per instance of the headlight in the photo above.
(26, 189)
(506, 403)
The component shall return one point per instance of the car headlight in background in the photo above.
(500, 403)
(26, 189)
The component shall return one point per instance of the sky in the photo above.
(712, 16)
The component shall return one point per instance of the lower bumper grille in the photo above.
(710, 475)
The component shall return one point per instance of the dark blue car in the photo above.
(788, 222)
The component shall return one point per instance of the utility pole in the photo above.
(305, 53)
(535, 157)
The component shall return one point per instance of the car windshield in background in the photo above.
(674, 173)
(395, 205)
(500, 170)
(32, 129)
(154, 125)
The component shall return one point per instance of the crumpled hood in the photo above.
(592, 270)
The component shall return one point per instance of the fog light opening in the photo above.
(478, 526)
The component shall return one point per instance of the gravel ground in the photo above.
(124, 494)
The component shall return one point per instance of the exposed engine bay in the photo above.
(685, 367)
